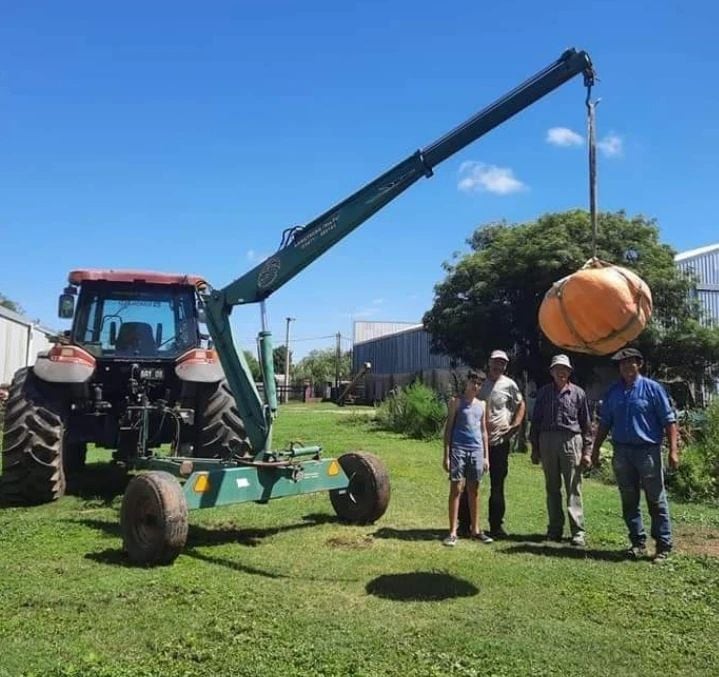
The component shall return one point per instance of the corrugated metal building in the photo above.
(20, 342)
(399, 352)
(704, 263)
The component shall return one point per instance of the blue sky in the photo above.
(186, 136)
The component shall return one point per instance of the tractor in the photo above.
(135, 373)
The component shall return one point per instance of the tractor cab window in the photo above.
(134, 320)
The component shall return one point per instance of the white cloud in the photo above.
(255, 257)
(564, 137)
(377, 302)
(477, 177)
(611, 145)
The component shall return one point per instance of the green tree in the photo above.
(279, 356)
(253, 364)
(491, 296)
(319, 366)
(10, 304)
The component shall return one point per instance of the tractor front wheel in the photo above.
(366, 497)
(153, 519)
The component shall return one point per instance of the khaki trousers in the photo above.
(561, 453)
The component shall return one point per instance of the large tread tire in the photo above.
(153, 519)
(219, 429)
(366, 498)
(33, 433)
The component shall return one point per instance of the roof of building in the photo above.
(97, 275)
(692, 253)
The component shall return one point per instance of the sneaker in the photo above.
(636, 552)
(578, 541)
(450, 541)
(483, 538)
(498, 534)
(661, 556)
(557, 538)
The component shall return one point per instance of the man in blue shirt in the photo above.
(637, 411)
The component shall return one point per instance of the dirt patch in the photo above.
(697, 540)
(351, 542)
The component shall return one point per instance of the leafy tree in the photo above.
(279, 356)
(253, 364)
(319, 366)
(491, 296)
(10, 304)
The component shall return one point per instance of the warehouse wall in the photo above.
(20, 342)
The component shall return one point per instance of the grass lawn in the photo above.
(283, 589)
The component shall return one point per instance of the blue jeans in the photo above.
(637, 467)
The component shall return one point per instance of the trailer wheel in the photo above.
(366, 497)
(153, 519)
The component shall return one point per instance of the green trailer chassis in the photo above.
(208, 483)
(154, 513)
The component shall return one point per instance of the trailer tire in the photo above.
(219, 428)
(33, 434)
(367, 496)
(153, 519)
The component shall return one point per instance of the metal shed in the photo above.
(20, 341)
(704, 263)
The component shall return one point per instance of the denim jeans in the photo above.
(636, 468)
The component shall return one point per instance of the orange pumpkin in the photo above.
(596, 310)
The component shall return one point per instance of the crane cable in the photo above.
(592, 144)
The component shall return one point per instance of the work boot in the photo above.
(636, 552)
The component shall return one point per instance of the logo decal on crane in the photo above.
(269, 272)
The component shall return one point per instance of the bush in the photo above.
(415, 410)
(697, 478)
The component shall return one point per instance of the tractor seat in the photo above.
(135, 338)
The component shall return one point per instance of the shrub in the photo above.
(697, 478)
(415, 410)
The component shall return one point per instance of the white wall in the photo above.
(20, 342)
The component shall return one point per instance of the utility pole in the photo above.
(338, 358)
(287, 359)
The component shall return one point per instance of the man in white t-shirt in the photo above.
(505, 411)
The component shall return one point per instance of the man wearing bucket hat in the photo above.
(561, 437)
(636, 410)
(505, 410)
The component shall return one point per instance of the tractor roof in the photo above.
(148, 276)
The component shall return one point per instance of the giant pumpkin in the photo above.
(596, 310)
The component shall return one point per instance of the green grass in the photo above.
(283, 589)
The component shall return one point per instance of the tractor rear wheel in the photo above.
(33, 432)
(219, 430)
(153, 519)
(366, 497)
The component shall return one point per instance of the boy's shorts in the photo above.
(465, 463)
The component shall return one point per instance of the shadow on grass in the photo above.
(439, 534)
(410, 534)
(98, 481)
(421, 586)
(567, 552)
(199, 536)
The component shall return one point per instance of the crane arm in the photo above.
(301, 245)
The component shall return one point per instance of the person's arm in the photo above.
(585, 425)
(602, 432)
(669, 419)
(485, 439)
(451, 413)
(673, 436)
(536, 425)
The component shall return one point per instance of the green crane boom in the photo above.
(302, 245)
